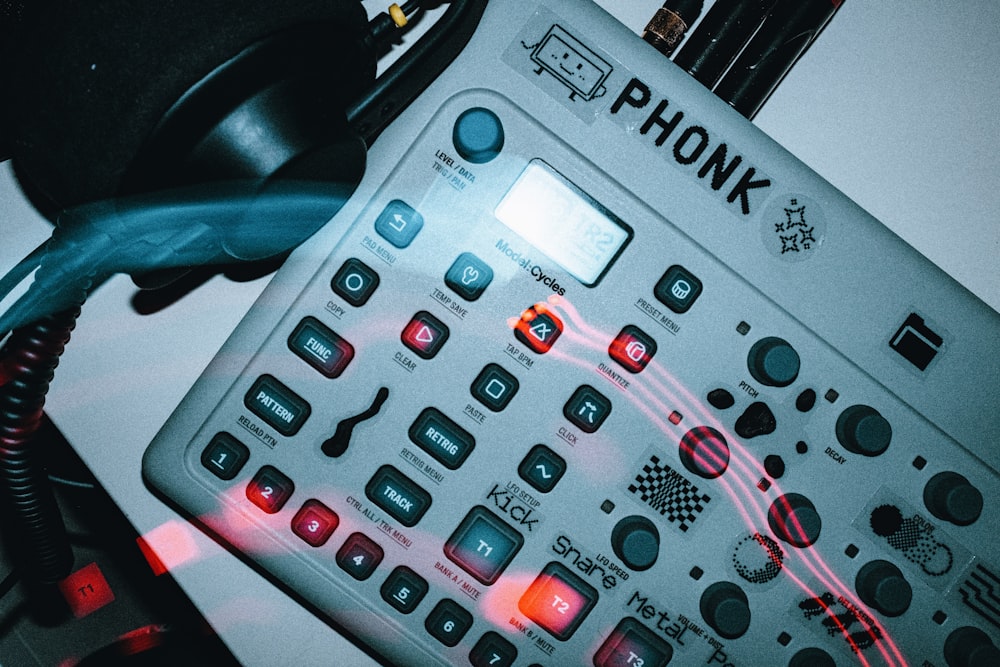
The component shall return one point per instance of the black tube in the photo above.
(40, 540)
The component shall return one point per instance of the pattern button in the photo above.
(278, 405)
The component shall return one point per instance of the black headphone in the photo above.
(117, 97)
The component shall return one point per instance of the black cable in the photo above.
(40, 542)
(415, 70)
(8, 583)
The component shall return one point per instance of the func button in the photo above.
(320, 347)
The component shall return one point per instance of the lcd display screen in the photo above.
(564, 222)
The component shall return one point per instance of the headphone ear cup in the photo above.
(89, 82)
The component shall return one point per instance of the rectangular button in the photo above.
(270, 489)
(483, 545)
(321, 348)
(442, 438)
(278, 405)
(558, 600)
(631, 643)
(398, 495)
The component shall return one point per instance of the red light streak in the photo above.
(662, 394)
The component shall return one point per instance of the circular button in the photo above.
(478, 135)
(774, 362)
(636, 541)
(970, 647)
(704, 452)
(725, 607)
(862, 430)
(951, 497)
(812, 657)
(794, 519)
(881, 585)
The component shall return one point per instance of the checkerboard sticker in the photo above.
(670, 493)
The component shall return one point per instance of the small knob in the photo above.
(881, 585)
(705, 452)
(636, 541)
(812, 657)
(725, 607)
(773, 361)
(862, 430)
(478, 135)
(951, 497)
(970, 647)
(794, 519)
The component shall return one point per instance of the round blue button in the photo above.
(478, 135)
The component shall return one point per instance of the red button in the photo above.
(315, 523)
(632, 348)
(538, 328)
(558, 600)
(425, 334)
(86, 590)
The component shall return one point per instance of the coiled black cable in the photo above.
(30, 357)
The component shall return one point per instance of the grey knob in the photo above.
(812, 657)
(794, 519)
(970, 647)
(951, 497)
(773, 361)
(881, 585)
(862, 430)
(636, 541)
(725, 607)
(705, 452)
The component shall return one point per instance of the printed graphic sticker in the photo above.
(561, 61)
(793, 228)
